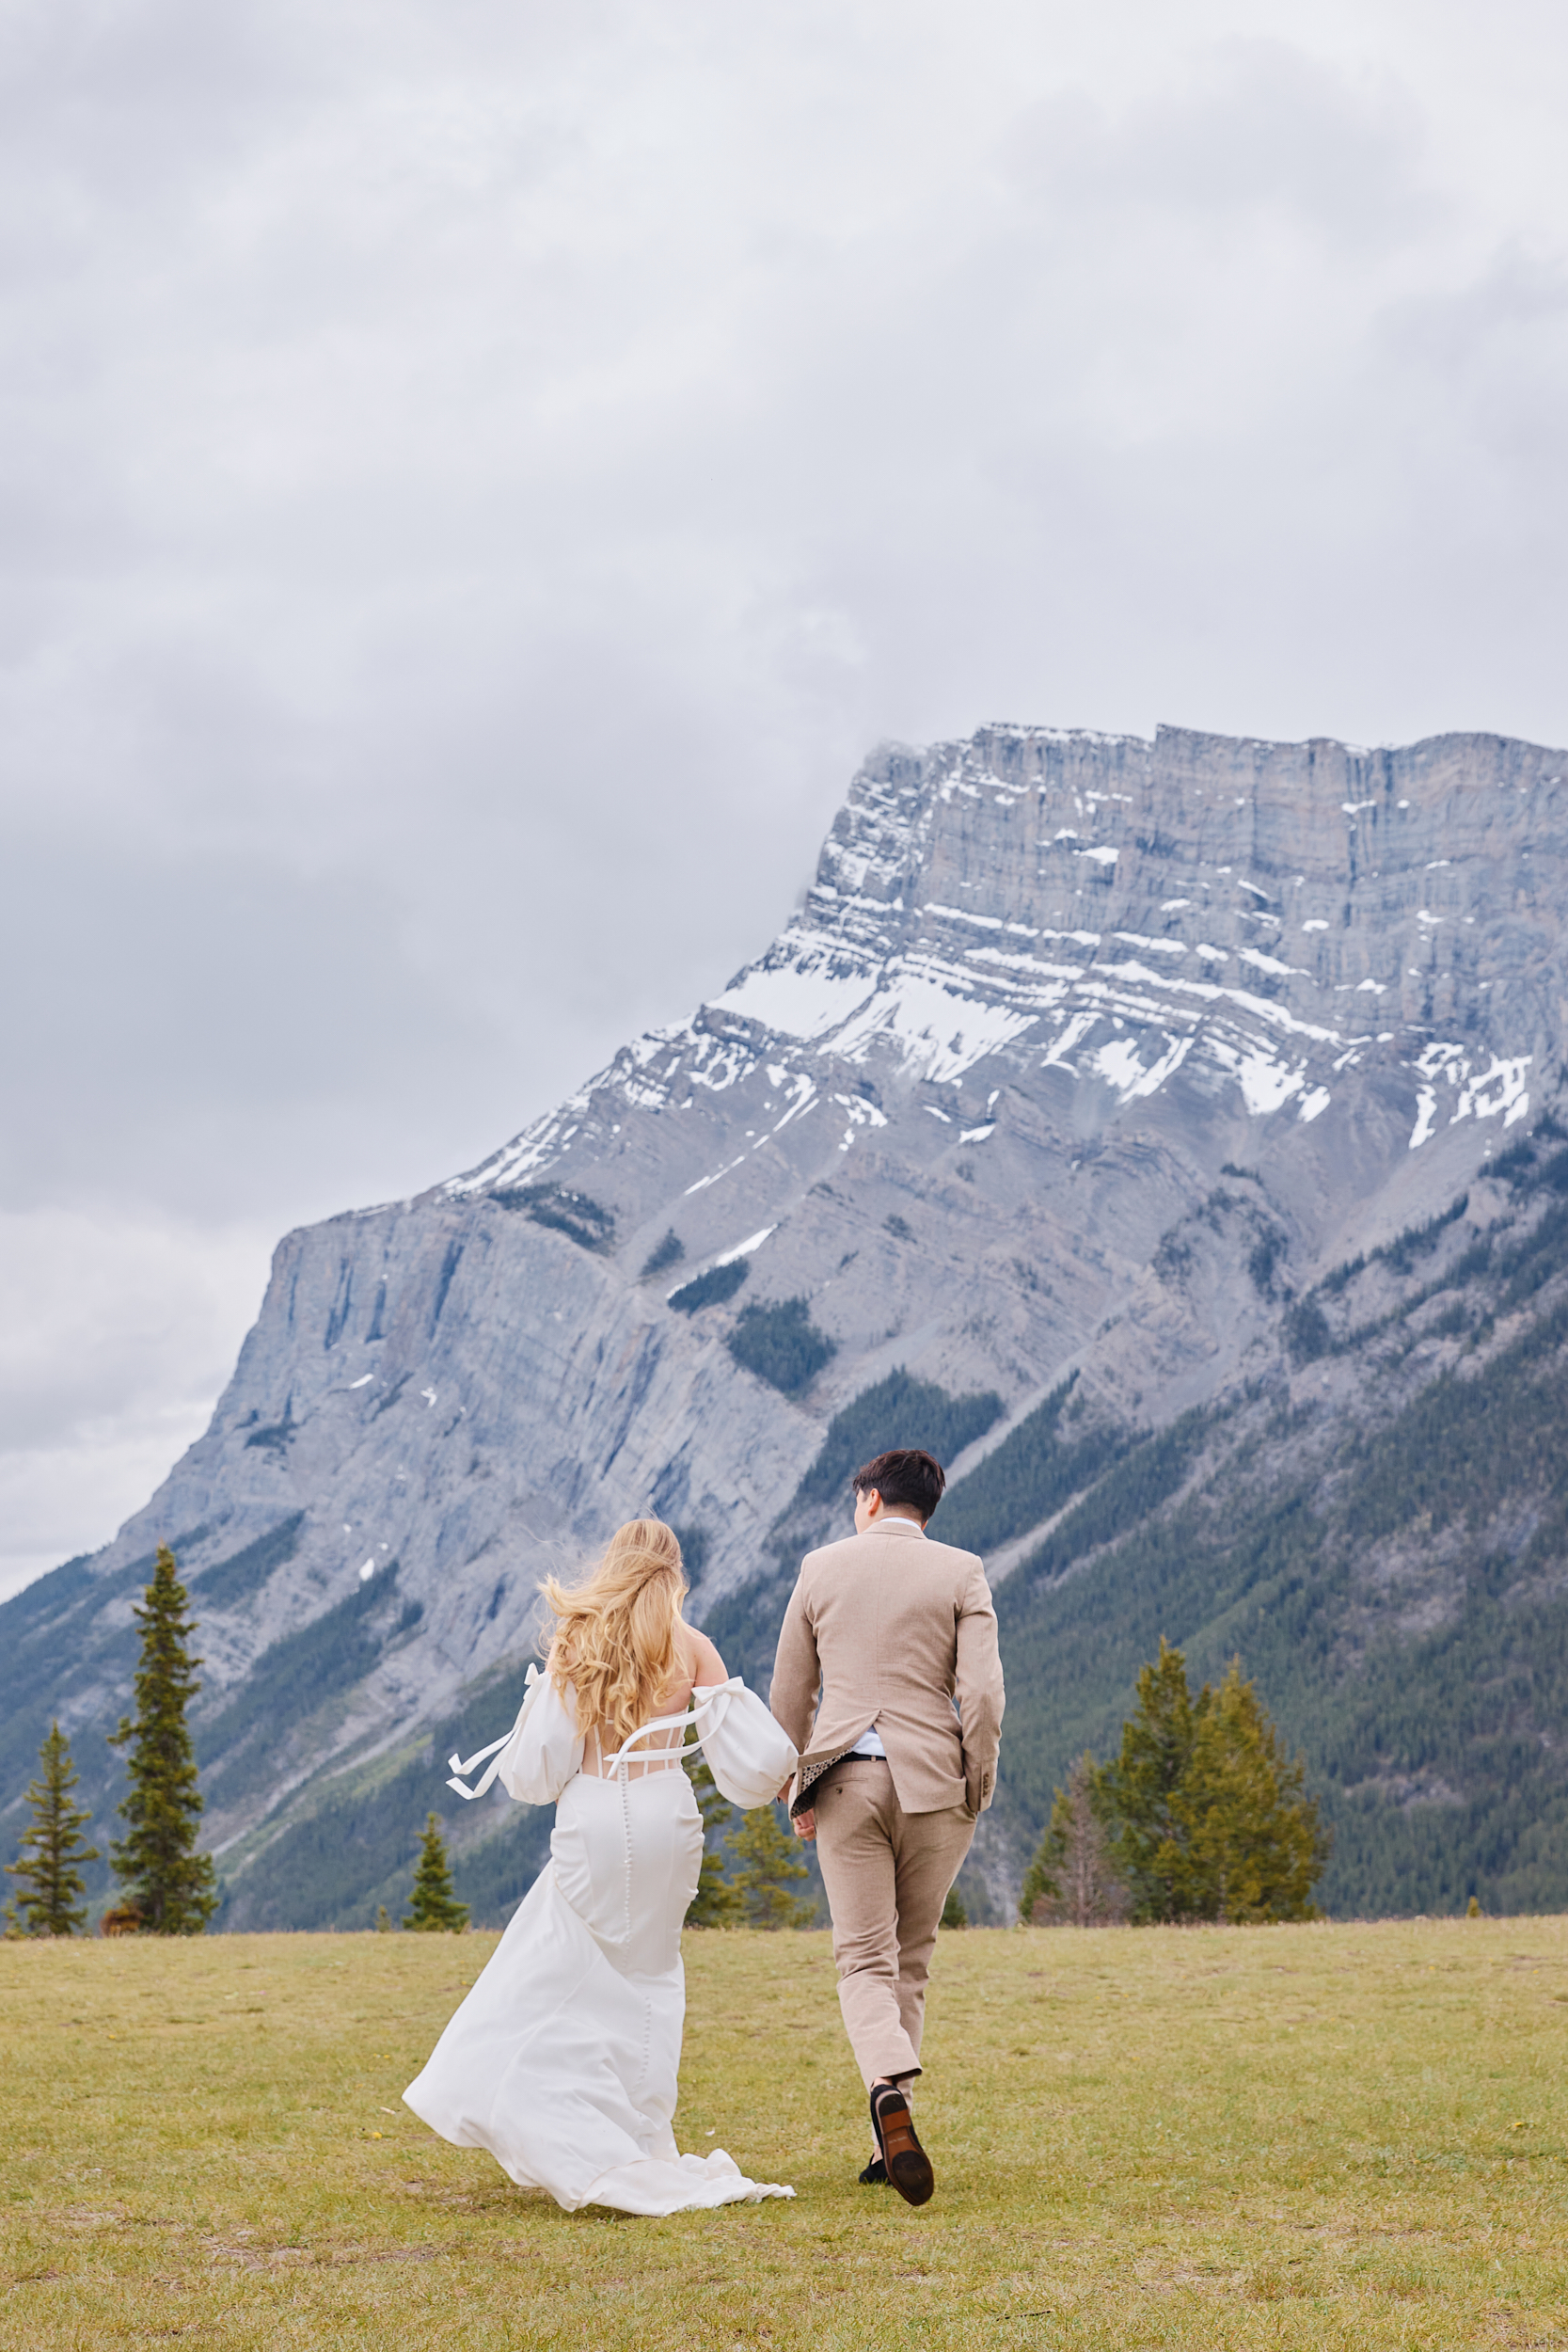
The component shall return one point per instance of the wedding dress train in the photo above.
(562, 2059)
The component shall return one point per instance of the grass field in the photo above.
(1341, 2135)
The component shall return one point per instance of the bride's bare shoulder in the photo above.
(700, 1660)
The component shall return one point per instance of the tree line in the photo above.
(1200, 1816)
(168, 1886)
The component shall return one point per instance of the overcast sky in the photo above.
(474, 479)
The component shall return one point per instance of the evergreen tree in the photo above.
(1255, 1845)
(766, 1855)
(433, 1906)
(1149, 1839)
(46, 1867)
(1208, 1815)
(1042, 1881)
(1071, 1881)
(715, 1903)
(953, 1914)
(167, 1882)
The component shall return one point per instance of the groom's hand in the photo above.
(805, 1824)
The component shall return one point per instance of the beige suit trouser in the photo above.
(887, 1873)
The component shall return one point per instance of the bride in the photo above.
(562, 2059)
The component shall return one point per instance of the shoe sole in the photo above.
(908, 2168)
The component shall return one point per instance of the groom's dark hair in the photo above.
(904, 1478)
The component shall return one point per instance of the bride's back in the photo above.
(622, 1651)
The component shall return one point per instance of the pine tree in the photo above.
(433, 1906)
(1149, 1839)
(1208, 1815)
(715, 1903)
(46, 1867)
(1071, 1881)
(1042, 1881)
(1255, 1845)
(768, 1868)
(167, 1882)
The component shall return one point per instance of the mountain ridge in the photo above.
(1084, 1060)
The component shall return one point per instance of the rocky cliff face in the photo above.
(969, 1117)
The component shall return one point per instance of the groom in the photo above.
(892, 1639)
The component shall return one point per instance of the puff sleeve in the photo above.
(545, 1751)
(749, 1753)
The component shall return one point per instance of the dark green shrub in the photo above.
(671, 1251)
(899, 1410)
(1145, 1474)
(229, 1580)
(782, 1344)
(1515, 1164)
(276, 1436)
(710, 1289)
(1307, 1332)
(1030, 1474)
(1416, 1241)
(1266, 1253)
(582, 1220)
(302, 1670)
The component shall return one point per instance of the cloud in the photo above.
(473, 481)
(118, 1333)
(1254, 131)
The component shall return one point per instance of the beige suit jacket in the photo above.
(891, 1627)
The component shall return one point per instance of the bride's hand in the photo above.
(805, 1824)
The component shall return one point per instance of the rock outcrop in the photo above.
(967, 1116)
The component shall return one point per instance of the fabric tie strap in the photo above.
(663, 1723)
(669, 1723)
(493, 1751)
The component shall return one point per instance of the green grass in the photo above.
(1328, 2137)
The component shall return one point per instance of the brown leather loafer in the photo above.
(908, 2168)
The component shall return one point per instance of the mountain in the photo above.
(1164, 1131)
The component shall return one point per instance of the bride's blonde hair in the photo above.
(615, 1636)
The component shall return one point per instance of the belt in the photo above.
(803, 1796)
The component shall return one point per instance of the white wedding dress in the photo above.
(563, 2060)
